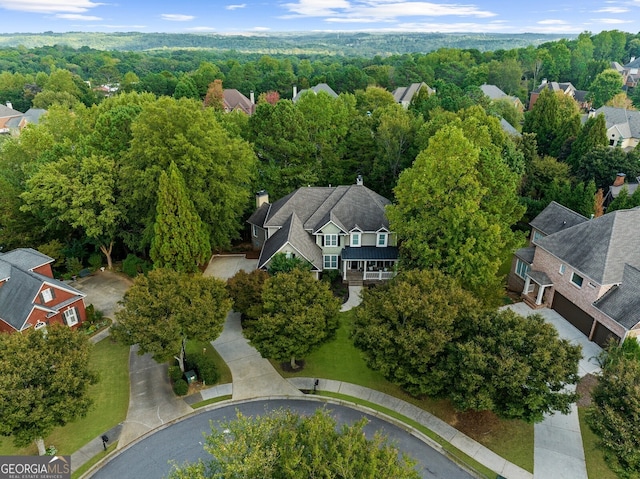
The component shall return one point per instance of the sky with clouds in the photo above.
(226, 17)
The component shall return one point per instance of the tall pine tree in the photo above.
(180, 241)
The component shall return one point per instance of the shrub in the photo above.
(132, 265)
(95, 261)
(206, 369)
(175, 373)
(331, 275)
(74, 265)
(180, 387)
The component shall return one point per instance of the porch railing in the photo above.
(378, 275)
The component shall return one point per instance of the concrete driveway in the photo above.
(104, 289)
(225, 266)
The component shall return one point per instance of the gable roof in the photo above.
(6, 112)
(509, 128)
(626, 121)
(556, 217)
(406, 94)
(345, 206)
(292, 232)
(492, 91)
(634, 63)
(25, 258)
(31, 116)
(622, 301)
(18, 293)
(601, 247)
(234, 100)
(316, 89)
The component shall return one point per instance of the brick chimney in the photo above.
(619, 181)
(295, 91)
(262, 197)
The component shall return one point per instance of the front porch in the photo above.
(535, 286)
(369, 264)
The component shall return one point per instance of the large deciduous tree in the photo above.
(44, 382)
(299, 313)
(426, 334)
(180, 241)
(218, 169)
(604, 87)
(165, 308)
(455, 207)
(283, 444)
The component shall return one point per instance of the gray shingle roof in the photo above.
(627, 121)
(622, 302)
(316, 89)
(526, 254)
(633, 64)
(509, 128)
(5, 112)
(292, 232)
(492, 91)
(26, 258)
(347, 206)
(556, 217)
(601, 247)
(234, 100)
(406, 93)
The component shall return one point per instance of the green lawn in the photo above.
(223, 369)
(111, 400)
(596, 466)
(342, 361)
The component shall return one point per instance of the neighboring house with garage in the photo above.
(31, 298)
(342, 228)
(587, 270)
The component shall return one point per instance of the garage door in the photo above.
(572, 313)
(602, 334)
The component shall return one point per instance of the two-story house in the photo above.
(587, 270)
(341, 228)
(31, 298)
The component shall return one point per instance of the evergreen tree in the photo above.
(180, 241)
(592, 134)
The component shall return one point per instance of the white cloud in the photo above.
(235, 7)
(611, 21)
(260, 29)
(49, 6)
(450, 27)
(380, 10)
(122, 26)
(76, 16)
(176, 17)
(552, 22)
(201, 29)
(612, 10)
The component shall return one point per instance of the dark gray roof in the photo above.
(26, 258)
(540, 277)
(599, 248)
(406, 93)
(259, 215)
(316, 89)
(346, 206)
(622, 302)
(526, 254)
(556, 217)
(370, 253)
(234, 100)
(634, 63)
(614, 191)
(31, 116)
(293, 233)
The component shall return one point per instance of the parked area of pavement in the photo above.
(558, 451)
(558, 444)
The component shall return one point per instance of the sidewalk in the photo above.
(558, 451)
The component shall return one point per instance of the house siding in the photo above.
(514, 282)
(583, 297)
(44, 270)
(261, 236)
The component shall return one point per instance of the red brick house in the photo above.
(586, 270)
(31, 298)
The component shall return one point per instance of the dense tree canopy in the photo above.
(165, 308)
(278, 444)
(298, 314)
(428, 335)
(44, 382)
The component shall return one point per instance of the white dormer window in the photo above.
(355, 239)
(47, 295)
(381, 242)
(70, 317)
(331, 240)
